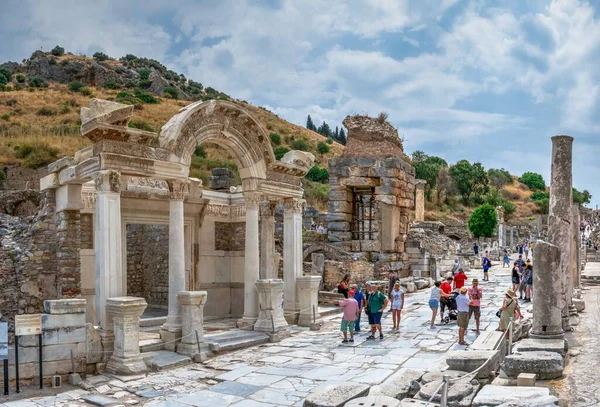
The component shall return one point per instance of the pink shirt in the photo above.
(475, 296)
(350, 308)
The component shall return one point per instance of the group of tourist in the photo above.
(525, 249)
(522, 278)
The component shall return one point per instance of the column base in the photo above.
(291, 316)
(268, 325)
(126, 366)
(247, 323)
(535, 335)
(107, 339)
(307, 319)
(191, 349)
(171, 337)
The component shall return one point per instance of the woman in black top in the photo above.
(516, 277)
(343, 286)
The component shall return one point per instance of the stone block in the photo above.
(459, 393)
(360, 182)
(469, 360)
(398, 384)
(336, 236)
(492, 396)
(56, 336)
(417, 403)
(374, 401)
(546, 365)
(336, 395)
(387, 190)
(338, 217)
(339, 207)
(579, 304)
(338, 226)
(50, 321)
(59, 307)
(487, 341)
(548, 345)
(526, 379)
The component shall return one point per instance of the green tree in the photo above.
(310, 125)
(544, 205)
(499, 177)
(427, 168)
(325, 130)
(342, 136)
(58, 51)
(483, 221)
(539, 195)
(469, 179)
(317, 174)
(533, 181)
(75, 86)
(280, 152)
(171, 91)
(275, 139)
(100, 56)
(322, 148)
(581, 198)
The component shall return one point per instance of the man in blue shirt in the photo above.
(462, 306)
(360, 299)
(476, 249)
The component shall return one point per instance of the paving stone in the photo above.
(458, 392)
(336, 395)
(374, 401)
(101, 401)
(207, 398)
(398, 384)
(549, 345)
(492, 396)
(235, 388)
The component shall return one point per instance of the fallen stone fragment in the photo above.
(373, 401)
(546, 365)
(397, 385)
(505, 396)
(100, 400)
(336, 395)
(548, 345)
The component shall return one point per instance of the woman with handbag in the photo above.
(510, 308)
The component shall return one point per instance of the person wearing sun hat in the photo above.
(509, 308)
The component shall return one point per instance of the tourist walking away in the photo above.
(462, 306)
(459, 279)
(455, 267)
(486, 254)
(446, 290)
(343, 286)
(377, 303)
(392, 281)
(510, 309)
(351, 312)
(506, 260)
(528, 280)
(434, 301)
(360, 300)
(526, 250)
(516, 277)
(520, 250)
(476, 249)
(486, 264)
(475, 293)
(397, 305)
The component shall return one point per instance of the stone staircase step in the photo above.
(150, 345)
(235, 339)
(163, 359)
(487, 340)
(152, 324)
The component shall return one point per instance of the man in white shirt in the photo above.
(462, 306)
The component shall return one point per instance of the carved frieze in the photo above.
(225, 211)
(107, 181)
(284, 178)
(293, 205)
(267, 208)
(143, 184)
(252, 200)
(88, 199)
(178, 189)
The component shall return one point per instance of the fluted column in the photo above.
(560, 216)
(267, 240)
(292, 256)
(251, 261)
(171, 330)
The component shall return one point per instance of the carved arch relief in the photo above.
(226, 124)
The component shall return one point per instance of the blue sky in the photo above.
(488, 81)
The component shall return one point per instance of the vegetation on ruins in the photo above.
(427, 168)
(471, 180)
(317, 174)
(499, 177)
(584, 197)
(483, 221)
(533, 180)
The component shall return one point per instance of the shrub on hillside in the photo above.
(200, 152)
(85, 91)
(75, 86)
(144, 84)
(543, 205)
(20, 78)
(58, 51)
(322, 148)
(316, 193)
(5, 117)
(317, 174)
(483, 221)
(46, 111)
(509, 208)
(144, 73)
(300, 144)
(171, 91)
(111, 85)
(539, 195)
(4, 76)
(141, 125)
(533, 181)
(35, 155)
(145, 96)
(100, 56)
(37, 82)
(275, 139)
(280, 152)
(329, 140)
(499, 177)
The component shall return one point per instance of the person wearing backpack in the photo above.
(486, 264)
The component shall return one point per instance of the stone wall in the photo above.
(230, 236)
(19, 178)
(148, 263)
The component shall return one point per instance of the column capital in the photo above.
(267, 208)
(420, 183)
(178, 188)
(192, 297)
(293, 205)
(253, 200)
(108, 181)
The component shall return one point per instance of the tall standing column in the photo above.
(560, 215)
(292, 256)
(547, 302)
(420, 200)
(512, 238)
(576, 248)
(108, 249)
(251, 261)
(171, 330)
(267, 240)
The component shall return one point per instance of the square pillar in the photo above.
(108, 249)
(126, 312)
(292, 256)
(192, 318)
(267, 240)
(308, 293)
(251, 261)
(420, 200)
(171, 330)
(270, 298)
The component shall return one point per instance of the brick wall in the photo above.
(230, 236)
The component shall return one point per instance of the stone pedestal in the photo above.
(512, 238)
(308, 292)
(270, 298)
(420, 200)
(267, 240)
(192, 321)
(547, 301)
(560, 217)
(292, 256)
(171, 330)
(126, 312)
(251, 263)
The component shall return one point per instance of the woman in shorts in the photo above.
(397, 295)
(516, 277)
(434, 301)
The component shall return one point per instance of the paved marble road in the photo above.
(284, 373)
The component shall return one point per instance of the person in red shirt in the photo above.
(459, 279)
(446, 288)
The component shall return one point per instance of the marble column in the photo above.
(270, 298)
(420, 200)
(292, 256)
(192, 321)
(560, 216)
(108, 250)
(251, 261)
(512, 238)
(308, 291)
(171, 329)
(576, 248)
(267, 240)
(547, 301)
(126, 313)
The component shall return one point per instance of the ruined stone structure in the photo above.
(123, 185)
(372, 195)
